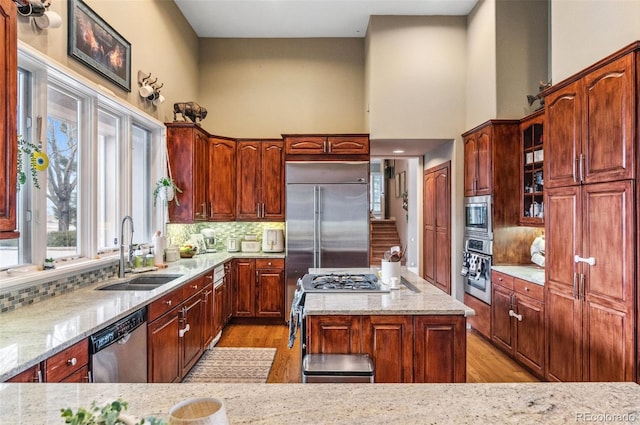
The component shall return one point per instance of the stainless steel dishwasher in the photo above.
(119, 352)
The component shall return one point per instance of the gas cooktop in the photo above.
(342, 282)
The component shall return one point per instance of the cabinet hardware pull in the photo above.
(263, 210)
(194, 286)
(590, 261)
(526, 288)
(581, 293)
(324, 146)
(581, 167)
(575, 284)
(576, 177)
(72, 361)
(184, 331)
(517, 316)
(168, 302)
(204, 209)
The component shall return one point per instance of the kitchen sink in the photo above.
(140, 283)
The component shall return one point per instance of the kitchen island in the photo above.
(539, 403)
(414, 334)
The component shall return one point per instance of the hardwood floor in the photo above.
(485, 363)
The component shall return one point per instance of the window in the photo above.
(63, 125)
(104, 155)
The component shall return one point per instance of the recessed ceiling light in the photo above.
(398, 151)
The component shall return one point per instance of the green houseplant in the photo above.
(109, 414)
(166, 189)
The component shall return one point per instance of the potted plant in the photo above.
(49, 263)
(166, 189)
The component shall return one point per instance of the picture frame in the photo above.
(95, 44)
(401, 185)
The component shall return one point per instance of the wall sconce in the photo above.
(149, 89)
(39, 11)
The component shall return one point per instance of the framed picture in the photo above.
(94, 43)
(401, 185)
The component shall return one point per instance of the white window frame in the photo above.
(46, 71)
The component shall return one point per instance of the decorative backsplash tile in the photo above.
(24, 296)
(180, 233)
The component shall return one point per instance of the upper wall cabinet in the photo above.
(188, 148)
(260, 172)
(531, 164)
(478, 162)
(590, 124)
(323, 146)
(8, 131)
(222, 178)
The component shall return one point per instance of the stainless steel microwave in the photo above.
(477, 216)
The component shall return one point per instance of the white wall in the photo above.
(415, 76)
(585, 31)
(481, 95)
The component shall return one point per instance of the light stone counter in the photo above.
(533, 274)
(537, 403)
(428, 301)
(31, 334)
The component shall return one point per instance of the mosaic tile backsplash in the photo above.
(180, 233)
(14, 299)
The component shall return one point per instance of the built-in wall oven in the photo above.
(476, 268)
(477, 217)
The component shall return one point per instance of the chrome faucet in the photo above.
(122, 263)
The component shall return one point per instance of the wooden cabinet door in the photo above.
(348, 145)
(470, 164)
(270, 293)
(608, 147)
(529, 333)
(222, 179)
(563, 233)
(501, 325)
(80, 376)
(334, 334)
(209, 314)
(484, 176)
(219, 310)
(248, 194)
(440, 347)
(163, 349)
(187, 146)
(608, 286)
(389, 340)
(33, 374)
(245, 284)
(8, 130)
(563, 133)
(300, 145)
(272, 181)
(192, 326)
(429, 220)
(229, 291)
(437, 234)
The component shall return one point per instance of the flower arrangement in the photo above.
(166, 189)
(110, 414)
(38, 161)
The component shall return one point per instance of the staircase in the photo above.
(384, 235)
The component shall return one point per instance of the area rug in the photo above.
(233, 364)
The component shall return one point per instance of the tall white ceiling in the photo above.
(303, 18)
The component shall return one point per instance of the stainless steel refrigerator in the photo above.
(327, 218)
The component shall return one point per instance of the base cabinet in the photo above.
(259, 288)
(403, 348)
(69, 365)
(176, 332)
(518, 320)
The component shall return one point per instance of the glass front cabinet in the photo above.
(531, 164)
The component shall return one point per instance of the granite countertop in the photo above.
(429, 301)
(530, 273)
(531, 403)
(31, 334)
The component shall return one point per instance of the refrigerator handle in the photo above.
(318, 227)
(315, 226)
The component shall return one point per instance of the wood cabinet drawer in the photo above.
(164, 304)
(502, 279)
(61, 365)
(529, 289)
(192, 287)
(270, 263)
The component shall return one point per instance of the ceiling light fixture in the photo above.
(398, 151)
